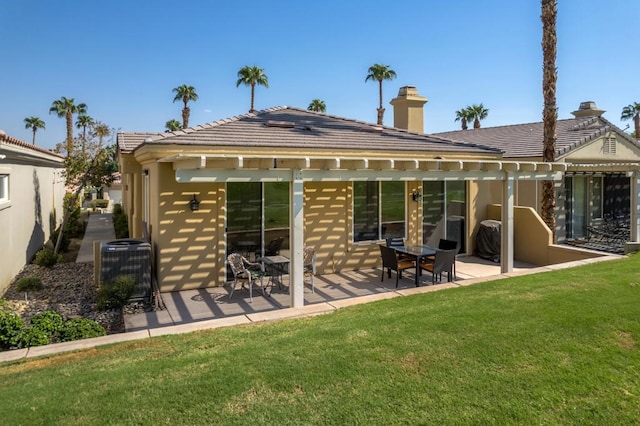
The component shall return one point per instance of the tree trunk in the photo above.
(380, 109)
(476, 123)
(253, 86)
(636, 121)
(550, 112)
(69, 117)
(185, 117)
(33, 142)
(464, 124)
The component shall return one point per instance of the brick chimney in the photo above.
(408, 109)
(588, 109)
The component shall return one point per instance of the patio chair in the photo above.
(446, 245)
(396, 242)
(443, 262)
(391, 262)
(245, 271)
(272, 248)
(309, 262)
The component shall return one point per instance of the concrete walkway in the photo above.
(99, 228)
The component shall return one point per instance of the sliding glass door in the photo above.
(444, 212)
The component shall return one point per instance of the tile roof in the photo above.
(289, 127)
(525, 140)
(17, 142)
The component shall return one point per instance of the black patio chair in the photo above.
(443, 262)
(390, 262)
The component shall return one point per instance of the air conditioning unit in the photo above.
(128, 257)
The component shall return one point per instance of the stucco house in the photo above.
(603, 167)
(336, 184)
(32, 189)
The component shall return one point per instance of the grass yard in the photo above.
(553, 348)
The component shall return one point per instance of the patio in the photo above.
(188, 306)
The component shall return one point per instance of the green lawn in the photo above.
(552, 348)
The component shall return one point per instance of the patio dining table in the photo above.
(417, 252)
(275, 267)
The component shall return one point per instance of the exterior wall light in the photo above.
(194, 204)
(416, 195)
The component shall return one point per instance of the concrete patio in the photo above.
(183, 307)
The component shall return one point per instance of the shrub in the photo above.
(120, 223)
(29, 284)
(64, 244)
(116, 293)
(46, 257)
(74, 226)
(80, 328)
(48, 321)
(11, 325)
(32, 336)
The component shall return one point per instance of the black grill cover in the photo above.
(488, 240)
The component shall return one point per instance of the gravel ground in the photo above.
(69, 289)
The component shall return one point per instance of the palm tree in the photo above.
(185, 94)
(172, 125)
(317, 105)
(252, 76)
(33, 123)
(65, 108)
(82, 122)
(550, 112)
(463, 116)
(476, 113)
(379, 73)
(101, 130)
(632, 112)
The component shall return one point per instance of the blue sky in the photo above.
(123, 58)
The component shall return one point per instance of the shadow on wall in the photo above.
(36, 241)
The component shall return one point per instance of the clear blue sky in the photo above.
(123, 58)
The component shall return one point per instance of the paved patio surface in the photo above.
(188, 306)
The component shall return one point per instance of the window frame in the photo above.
(5, 196)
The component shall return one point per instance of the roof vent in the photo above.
(281, 124)
(370, 129)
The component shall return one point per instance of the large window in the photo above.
(379, 210)
(444, 212)
(4, 188)
(257, 217)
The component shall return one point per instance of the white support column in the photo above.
(296, 238)
(506, 229)
(635, 206)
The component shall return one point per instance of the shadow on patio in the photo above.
(188, 306)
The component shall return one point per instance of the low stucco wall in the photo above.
(533, 242)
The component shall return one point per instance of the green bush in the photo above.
(99, 203)
(29, 284)
(116, 293)
(80, 328)
(46, 257)
(33, 336)
(64, 244)
(11, 326)
(74, 226)
(120, 223)
(48, 321)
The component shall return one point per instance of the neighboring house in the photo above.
(336, 184)
(603, 165)
(31, 194)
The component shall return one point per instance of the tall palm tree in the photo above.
(380, 73)
(463, 116)
(82, 122)
(477, 112)
(632, 112)
(33, 123)
(185, 94)
(550, 112)
(101, 130)
(172, 125)
(317, 105)
(65, 108)
(252, 76)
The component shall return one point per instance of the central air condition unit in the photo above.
(128, 257)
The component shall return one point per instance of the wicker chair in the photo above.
(309, 261)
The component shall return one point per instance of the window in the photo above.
(609, 146)
(596, 197)
(444, 212)
(4, 188)
(378, 210)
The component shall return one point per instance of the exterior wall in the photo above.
(595, 151)
(533, 242)
(27, 219)
(190, 246)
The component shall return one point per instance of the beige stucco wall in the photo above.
(35, 201)
(594, 151)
